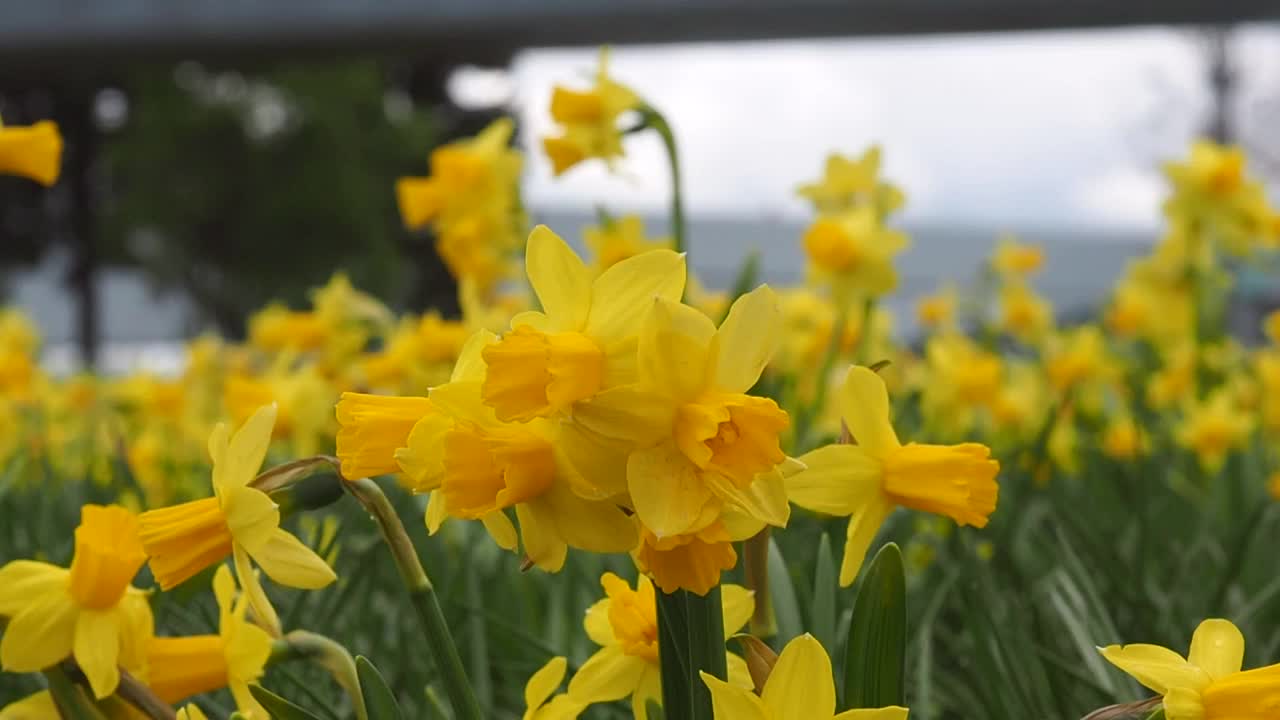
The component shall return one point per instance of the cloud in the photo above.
(1121, 196)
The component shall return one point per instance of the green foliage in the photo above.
(875, 654)
(278, 707)
(378, 698)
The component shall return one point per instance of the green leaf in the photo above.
(378, 698)
(71, 701)
(822, 611)
(1157, 715)
(786, 609)
(277, 707)
(876, 653)
(654, 709)
(673, 655)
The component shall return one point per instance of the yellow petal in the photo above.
(608, 675)
(1217, 647)
(218, 440)
(600, 527)
(863, 402)
(246, 703)
(730, 702)
(248, 447)
(559, 278)
(624, 292)
(21, 580)
(597, 624)
(601, 462)
(541, 543)
(1156, 667)
(501, 530)
(191, 712)
(765, 498)
(252, 516)
(544, 682)
(667, 491)
(837, 480)
(470, 365)
(650, 688)
(39, 706)
(437, 511)
(1183, 704)
(462, 401)
(259, 603)
(628, 414)
(739, 673)
(247, 652)
(800, 685)
(33, 152)
(422, 461)
(285, 559)
(739, 604)
(137, 629)
(864, 524)
(892, 712)
(747, 340)
(675, 347)
(41, 635)
(97, 649)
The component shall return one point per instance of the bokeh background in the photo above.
(223, 154)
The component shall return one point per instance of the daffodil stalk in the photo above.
(328, 654)
(423, 596)
(72, 703)
(690, 642)
(755, 561)
(651, 118)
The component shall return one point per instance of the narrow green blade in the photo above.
(876, 653)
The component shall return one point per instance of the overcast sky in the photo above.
(1043, 129)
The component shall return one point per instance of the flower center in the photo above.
(735, 435)
(633, 614)
(487, 470)
(108, 555)
(179, 667)
(953, 480)
(830, 247)
(535, 374)
(690, 562)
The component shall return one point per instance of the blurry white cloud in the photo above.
(1121, 196)
(991, 129)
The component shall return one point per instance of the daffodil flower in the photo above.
(467, 177)
(847, 184)
(238, 520)
(584, 341)
(538, 692)
(868, 480)
(702, 444)
(90, 612)
(1208, 684)
(181, 667)
(33, 152)
(625, 625)
(589, 120)
(372, 427)
(1213, 428)
(853, 251)
(799, 687)
(477, 466)
(618, 239)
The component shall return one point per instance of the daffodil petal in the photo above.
(667, 491)
(97, 649)
(248, 447)
(601, 463)
(38, 706)
(747, 340)
(600, 527)
(863, 402)
(1156, 667)
(800, 684)
(837, 480)
(1183, 704)
(650, 688)
(21, 580)
(610, 674)
(437, 511)
(738, 605)
(597, 624)
(252, 516)
(622, 294)
(559, 278)
(544, 682)
(501, 530)
(462, 401)
(1217, 647)
(246, 703)
(259, 603)
(626, 413)
(42, 635)
(288, 561)
(541, 543)
(739, 673)
(765, 498)
(470, 366)
(674, 349)
(731, 701)
(864, 525)
(893, 712)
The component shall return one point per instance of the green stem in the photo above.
(690, 628)
(71, 702)
(423, 596)
(755, 561)
(328, 654)
(654, 119)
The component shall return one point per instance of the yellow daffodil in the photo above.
(694, 560)
(702, 445)
(937, 311)
(303, 398)
(238, 520)
(372, 427)
(1123, 439)
(589, 120)
(468, 177)
(620, 238)
(584, 340)
(181, 667)
(867, 480)
(1208, 684)
(799, 687)
(1075, 357)
(417, 355)
(625, 625)
(1213, 428)
(191, 712)
(847, 184)
(538, 692)
(37, 706)
(90, 612)
(1016, 259)
(853, 252)
(33, 152)
(477, 466)
(1023, 314)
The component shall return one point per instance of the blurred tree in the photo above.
(239, 187)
